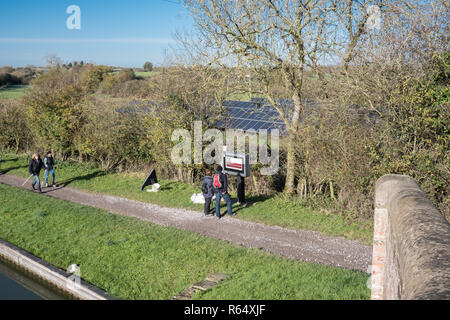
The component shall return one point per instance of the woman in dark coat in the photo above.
(34, 168)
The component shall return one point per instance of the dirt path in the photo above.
(301, 245)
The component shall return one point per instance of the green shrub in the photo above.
(54, 107)
(14, 131)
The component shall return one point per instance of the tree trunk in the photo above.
(290, 169)
(190, 177)
(332, 190)
(292, 131)
(180, 174)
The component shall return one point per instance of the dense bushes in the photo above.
(65, 117)
(109, 138)
(9, 79)
(133, 88)
(11, 76)
(65, 114)
(93, 76)
(112, 81)
(342, 150)
(14, 130)
(335, 148)
(54, 110)
(419, 127)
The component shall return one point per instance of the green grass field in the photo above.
(13, 92)
(270, 211)
(146, 74)
(132, 259)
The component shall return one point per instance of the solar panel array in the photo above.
(256, 114)
(246, 115)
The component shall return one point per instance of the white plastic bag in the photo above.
(197, 198)
(155, 188)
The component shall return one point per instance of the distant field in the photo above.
(146, 74)
(13, 92)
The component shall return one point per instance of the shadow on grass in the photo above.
(9, 160)
(250, 201)
(86, 177)
(5, 171)
(67, 182)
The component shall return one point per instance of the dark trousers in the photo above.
(207, 205)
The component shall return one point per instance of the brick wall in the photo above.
(411, 245)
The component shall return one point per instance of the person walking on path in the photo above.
(208, 191)
(34, 168)
(220, 185)
(49, 166)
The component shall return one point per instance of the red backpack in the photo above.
(217, 181)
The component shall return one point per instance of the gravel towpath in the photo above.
(309, 246)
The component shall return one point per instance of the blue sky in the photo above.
(115, 32)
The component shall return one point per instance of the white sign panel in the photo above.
(234, 163)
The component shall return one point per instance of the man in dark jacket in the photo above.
(220, 184)
(49, 167)
(34, 168)
(208, 191)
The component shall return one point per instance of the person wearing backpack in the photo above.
(49, 166)
(208, 191)
(220, 185)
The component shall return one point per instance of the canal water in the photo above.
(16, 284)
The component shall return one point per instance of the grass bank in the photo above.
(271, 211)
(13, 92)
(132, 259)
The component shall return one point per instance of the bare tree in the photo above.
(53, 60)
(280, 40)
(412, 33)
